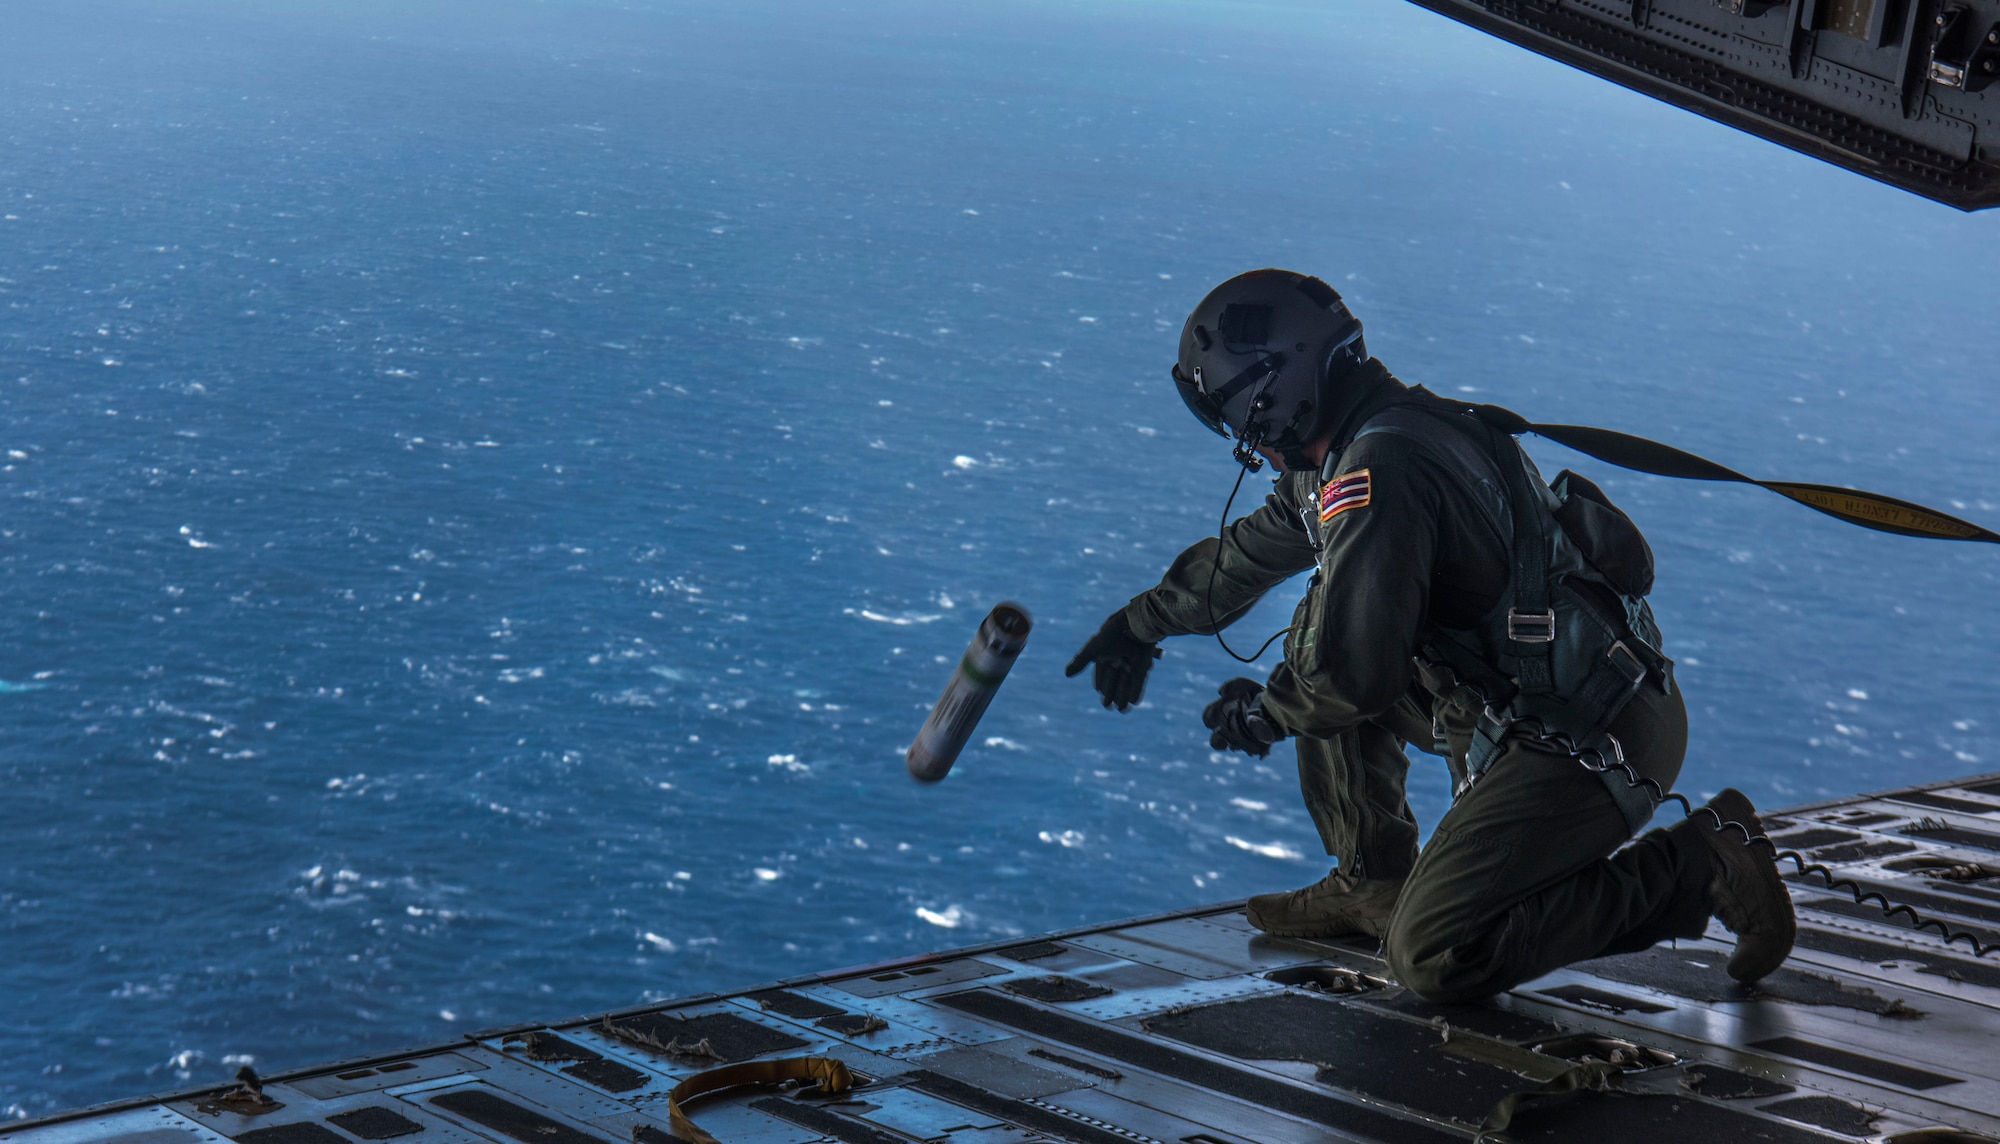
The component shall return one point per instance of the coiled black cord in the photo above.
(1208, 595)
(1861, 894)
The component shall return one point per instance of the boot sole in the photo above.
(1327, 931)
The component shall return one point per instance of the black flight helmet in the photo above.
(1260, 359)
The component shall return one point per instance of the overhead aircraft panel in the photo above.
(1899, 90)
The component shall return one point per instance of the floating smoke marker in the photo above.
(985, 664)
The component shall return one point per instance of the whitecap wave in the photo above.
(1266, 849)
(882, 618)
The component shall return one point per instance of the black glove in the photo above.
(1237, 720)
(1122, 660)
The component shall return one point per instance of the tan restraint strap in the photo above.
(1855, 506)
(831, 1075)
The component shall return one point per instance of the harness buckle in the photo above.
(1531, 627)
(1489, 736)
(1626, 662)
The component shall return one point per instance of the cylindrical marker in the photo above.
(985, 664)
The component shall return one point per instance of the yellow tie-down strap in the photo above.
(831, 1075)
(1855, 506)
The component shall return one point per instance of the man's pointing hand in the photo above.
(1122, 660)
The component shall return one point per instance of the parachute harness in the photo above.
(1869, 510)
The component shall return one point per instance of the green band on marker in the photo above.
(975, 675)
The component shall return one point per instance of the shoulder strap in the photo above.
(1531, 621)
(1389, 419)
(1378, 424)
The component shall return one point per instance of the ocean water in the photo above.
(491, 488)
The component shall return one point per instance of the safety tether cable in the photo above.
(1855, 506)
(1860, 894)
(1628, 451)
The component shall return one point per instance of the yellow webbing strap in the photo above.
(831, 1075)
(1590, 1076)
(1881, 513)
(1855, 506)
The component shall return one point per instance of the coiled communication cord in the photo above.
(1860, 894)
(1208, 595)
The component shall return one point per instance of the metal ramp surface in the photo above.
(1191, 1028)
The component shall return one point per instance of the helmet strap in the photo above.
(1290, 444)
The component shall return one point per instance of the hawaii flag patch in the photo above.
(1343, 493)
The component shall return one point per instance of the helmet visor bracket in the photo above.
(1209, 404)
(1206, 409)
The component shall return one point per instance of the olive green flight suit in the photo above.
(1353, 779)
(1519, 877)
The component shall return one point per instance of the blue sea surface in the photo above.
(491, 488)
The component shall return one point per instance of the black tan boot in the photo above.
(1748, 895)
(1337, 905)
